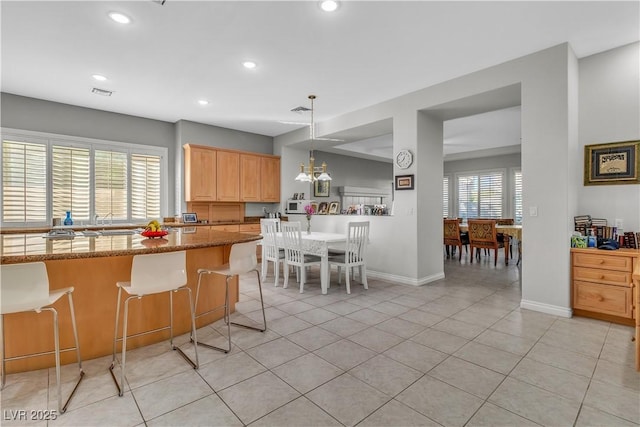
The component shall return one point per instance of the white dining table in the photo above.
(317, 243)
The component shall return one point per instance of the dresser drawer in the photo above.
(608, 262)
(613, 300)
(611, 277)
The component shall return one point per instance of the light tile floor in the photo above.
(458, 352)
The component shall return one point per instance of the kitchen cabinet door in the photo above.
(228, 176)
(200, 174)
(270, 179)
(249, 178)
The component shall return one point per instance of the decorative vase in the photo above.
(308, 225)
(68, 220)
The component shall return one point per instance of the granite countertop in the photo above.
(78, 227)
(31, 247)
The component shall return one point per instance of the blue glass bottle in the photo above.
(68, 220)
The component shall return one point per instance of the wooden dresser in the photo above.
(602, 285)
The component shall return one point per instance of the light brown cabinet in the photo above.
(227, 174)
(602, 285)
(250, 178)
(270, 179)
(214, 175)
(199, 174)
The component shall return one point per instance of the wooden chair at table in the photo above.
(453, 236)
(482, 234)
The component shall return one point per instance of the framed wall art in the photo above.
(321, 188)
(404, 182)
(613, 163)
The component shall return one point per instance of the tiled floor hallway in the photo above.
(458, 352)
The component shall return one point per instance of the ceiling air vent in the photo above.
(102, 92)
(300, 109)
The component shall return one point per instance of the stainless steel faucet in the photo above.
(105, 217)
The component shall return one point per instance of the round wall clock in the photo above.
(404, 159)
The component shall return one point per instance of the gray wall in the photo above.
(484, 163)
(19, 112)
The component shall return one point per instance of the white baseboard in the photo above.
(403, 279)
(546, 308)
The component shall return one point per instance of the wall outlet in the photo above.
(533, 211)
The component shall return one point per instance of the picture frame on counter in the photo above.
(404, 182)
(322, 208)
(189, 218)
(314, 206)
(334, 208)
(612, 163)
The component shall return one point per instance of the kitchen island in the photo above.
(93, 265)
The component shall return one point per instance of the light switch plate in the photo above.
(533, 211)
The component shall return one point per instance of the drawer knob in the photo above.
(601, 276)
(601, 261)
(600, 298)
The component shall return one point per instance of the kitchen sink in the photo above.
(117, 232)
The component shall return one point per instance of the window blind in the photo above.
(110, 176)
(24, 182)
(145, 186)
(71, 180)
(517, 204)
(445, 197)
(481, 195)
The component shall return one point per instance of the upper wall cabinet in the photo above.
(230, 176)
(270, 182)
(199, 175)
(227, 174)
(249, 178)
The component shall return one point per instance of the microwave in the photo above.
(297, 206)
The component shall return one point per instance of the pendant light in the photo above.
(307, 174)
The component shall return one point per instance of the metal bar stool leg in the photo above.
(225, 315)
(193, 336)
(264, 317)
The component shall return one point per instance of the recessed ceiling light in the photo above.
(120, 18)
(203, 102)
(99, 77)
(249, 64)
(329, 5)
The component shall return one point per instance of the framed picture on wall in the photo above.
(613, 163)
(321, 188)
(404, 182)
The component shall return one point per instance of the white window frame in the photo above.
(50, 139)
(505, 188)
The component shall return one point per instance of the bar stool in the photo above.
(242, 259)
(25, 287)
(153, 274)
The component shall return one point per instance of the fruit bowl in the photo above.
(154, 234)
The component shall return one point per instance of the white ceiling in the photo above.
(171, 56)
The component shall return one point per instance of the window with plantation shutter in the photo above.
(46, 175)
(24, 182)
(517, 198)
(145, 186)
(110, 177)
(445, 197)
(71, 182)
(481, 195)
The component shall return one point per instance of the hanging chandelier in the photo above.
(307, 174)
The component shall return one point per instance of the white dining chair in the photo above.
(294, 255)
(25, 287)
(242, 259)
(354, 254)
(152, 274)
(271, 252)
